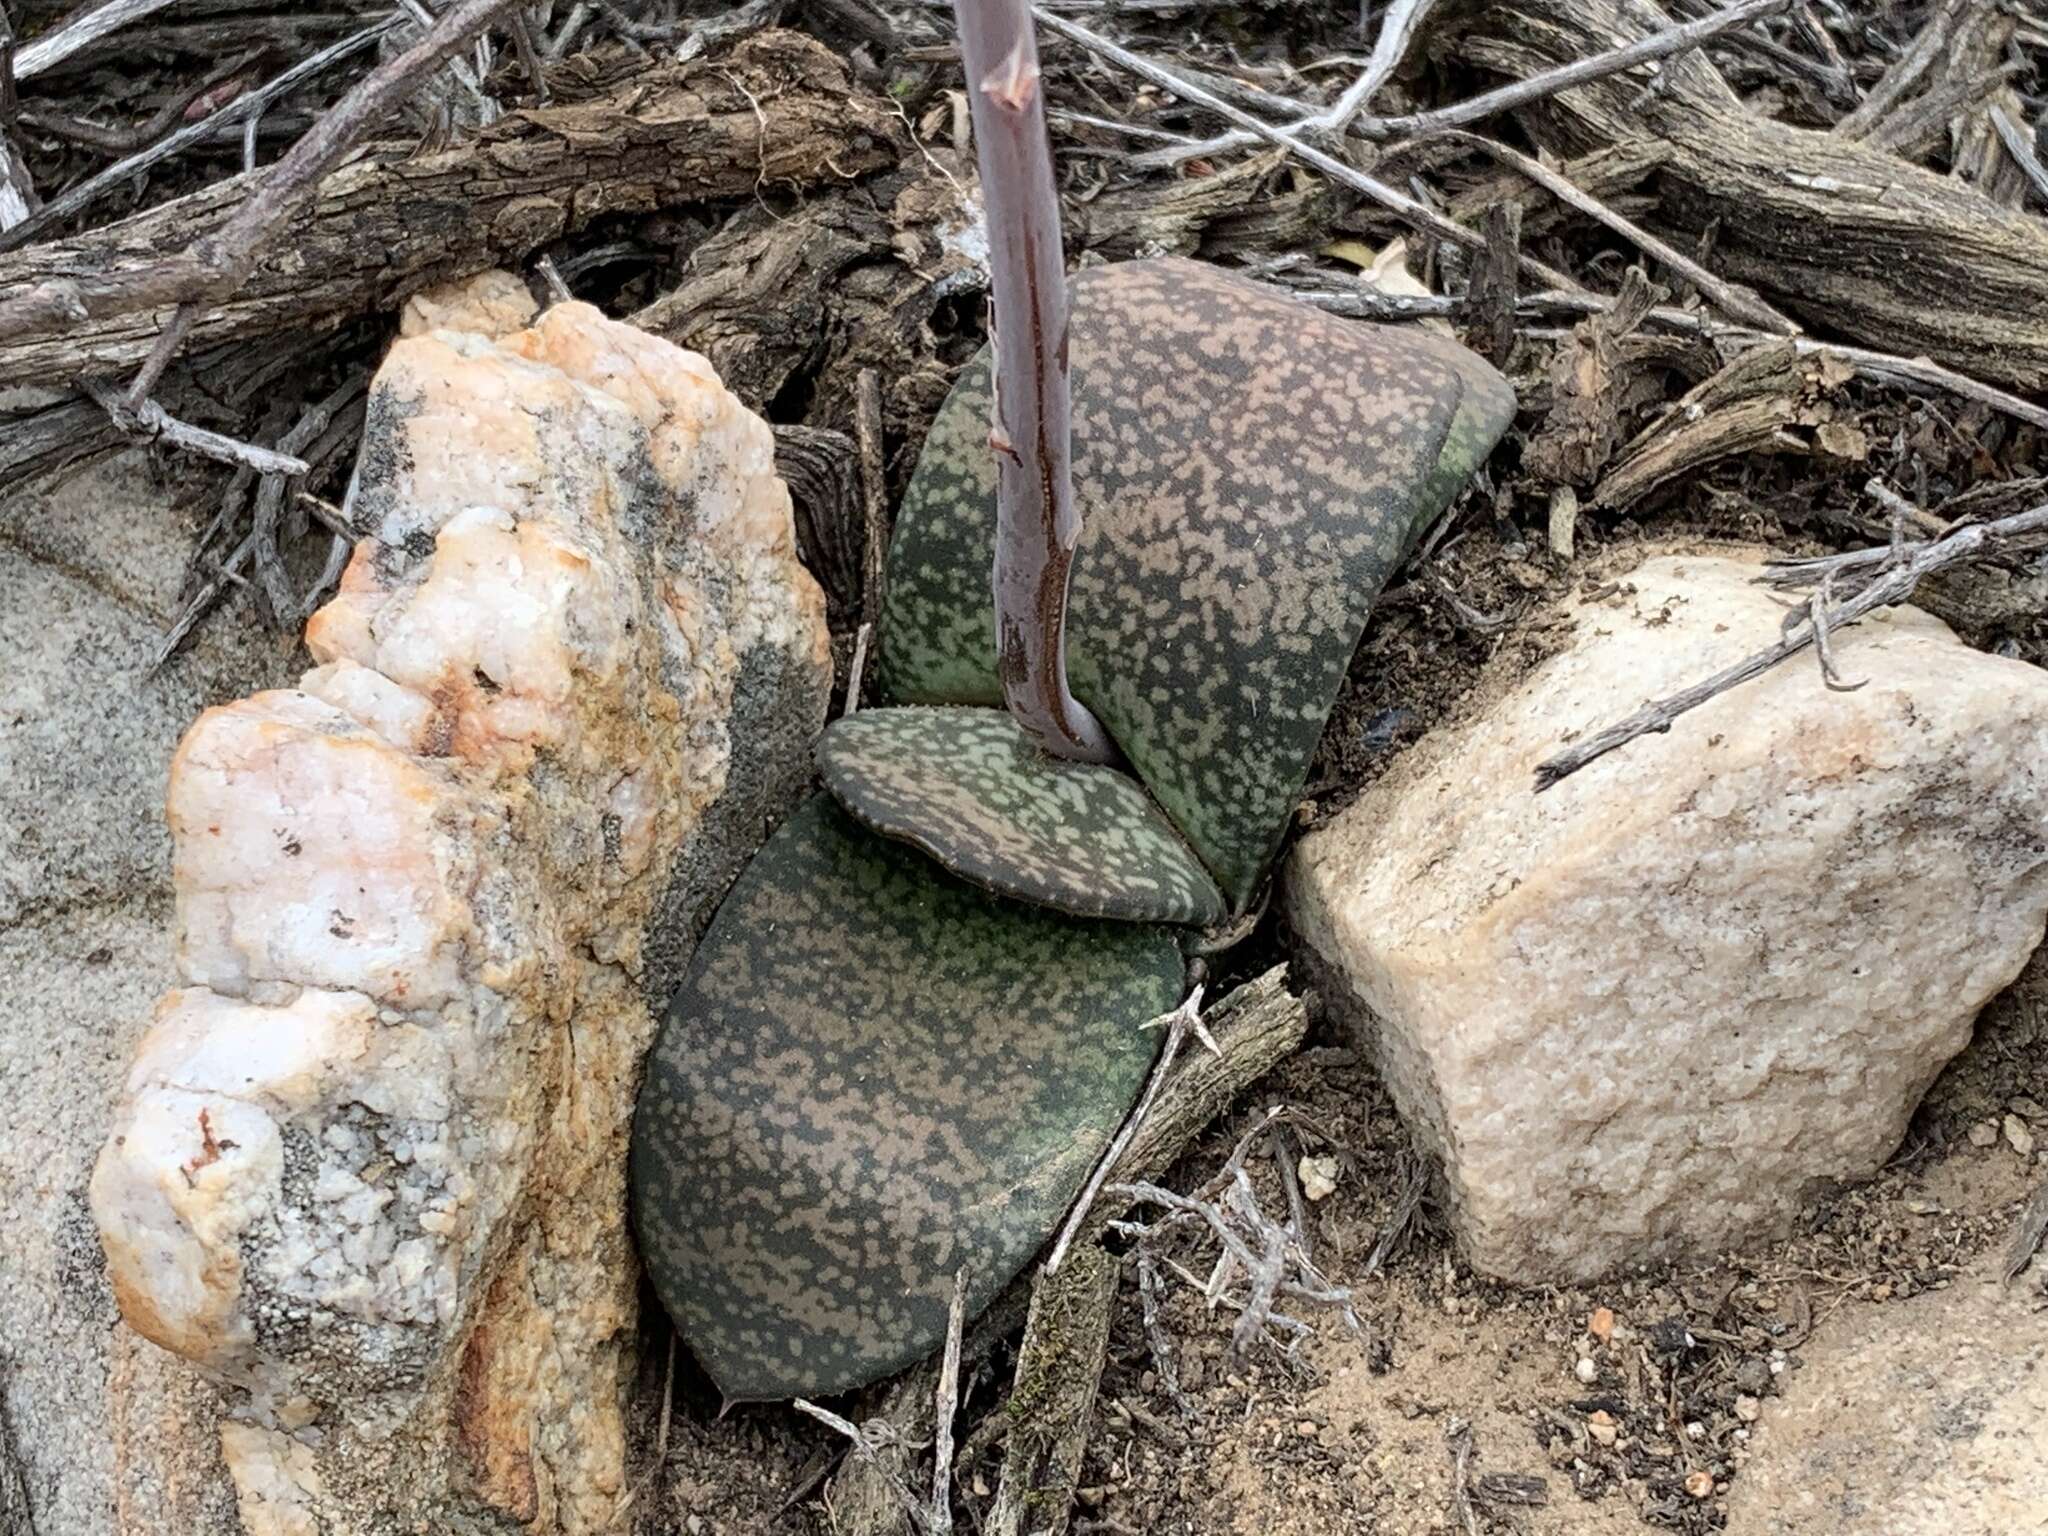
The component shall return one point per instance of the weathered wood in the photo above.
(1845, 236)
(1750, 406)
(777, 112)
(1059, 1366)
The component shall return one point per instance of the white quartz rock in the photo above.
(1642, 1014)
(369, 1170)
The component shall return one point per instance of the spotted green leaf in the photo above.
(967, 787)
(1249, 472)
(873, 1075)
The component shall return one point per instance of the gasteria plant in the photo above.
(1031, 422)
(912, 1026)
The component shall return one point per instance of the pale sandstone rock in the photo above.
(1926, 1417)
(1640, 1015)
(90, 565)
(369, 1172)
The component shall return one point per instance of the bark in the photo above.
(1849, 238)
(778, 112)
(1059, 1367)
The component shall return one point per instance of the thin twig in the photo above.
(1417, 213)
(52, 49)
(741, 21)
(1185, 1019)
(152, 422)
(125, 141)
(218, 262)
(874, 490)
(1674, 40)
(82, 196)
(2022, 152)
(945, 1406)
(1920, 560)
(854, 668)
(1735, 300)
(866, 1450)
(18, 198)
(529, 54)
(550, 274)
(1926, 372)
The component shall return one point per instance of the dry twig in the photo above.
(1415, 212)
(1673, 40)
(1179, 1024)
(217, 262)
(1733, 299)
(1891, 582)
(53, 48)
(945, 1405)
(247, 107)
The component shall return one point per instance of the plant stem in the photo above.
(1031, 429)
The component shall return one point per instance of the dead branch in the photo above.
(1907, 566)
(390, 222)
(2022, 152)
(218, 261)
(245, 108)
(1059, 1368)
(1890, 256)
(1346, 114)
(150, 422)
(55, 47)
(1419, 214)
(1733, 299)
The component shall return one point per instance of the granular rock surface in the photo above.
(1642, 1015)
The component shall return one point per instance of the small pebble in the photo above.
(2032, 1109)
(1601, 1324)
(1601, 1426)
(1983, 1134)
(1699, 1484)
(1586, 1371)
(1318, 1177)
(2018, 1137)
(1695, 1430)
(1747, 1408)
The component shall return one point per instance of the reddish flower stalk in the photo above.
(1032, 426)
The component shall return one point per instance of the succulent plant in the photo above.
(912, 1027)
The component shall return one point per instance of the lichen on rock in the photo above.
(370, 1169)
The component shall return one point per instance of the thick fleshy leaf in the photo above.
(967, 787)
(874, 1075)
(1250, 472)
